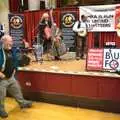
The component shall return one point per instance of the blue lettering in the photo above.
(107, 56)
(106, 63)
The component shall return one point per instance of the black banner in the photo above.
(67, 21)
(16, 28)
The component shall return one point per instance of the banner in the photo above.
(100, 18)
(67, 21)
(16, 28)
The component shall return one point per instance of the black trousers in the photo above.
(80, 46)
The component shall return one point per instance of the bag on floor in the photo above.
(24, 60)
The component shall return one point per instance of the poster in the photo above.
(16, 28)
(95, 59)
(111, 59)
(67, 21)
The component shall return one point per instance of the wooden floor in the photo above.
(68, 63)
(45, 111)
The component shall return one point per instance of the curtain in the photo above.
(14, 5)
(103, 38)
(29, 24)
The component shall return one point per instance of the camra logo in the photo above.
(16, 22)
(68, 20)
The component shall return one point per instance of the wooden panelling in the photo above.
(59, 83)
(93, 87)
(84, 86)
(117, 97)
(107, 88)
(33, 81)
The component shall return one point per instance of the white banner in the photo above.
(100, 18)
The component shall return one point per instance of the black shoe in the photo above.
(82, 58)
(26, 104)
(3, 114)
(57, 58)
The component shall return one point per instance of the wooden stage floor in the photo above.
(63, 65)
(68, 65)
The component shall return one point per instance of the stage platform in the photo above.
(67, 82)
(67, 65)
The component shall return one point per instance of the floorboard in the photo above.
(45, 111)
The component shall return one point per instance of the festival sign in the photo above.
(95, 59)
(100, 18)
(111, 59)
(16, 28)
(67, 21)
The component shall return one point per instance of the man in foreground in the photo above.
(8, 66)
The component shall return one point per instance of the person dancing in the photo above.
(8, 66)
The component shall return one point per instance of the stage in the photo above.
(67, 65)
(67, 82)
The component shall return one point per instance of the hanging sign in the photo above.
(100, 18)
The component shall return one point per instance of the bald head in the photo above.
(7, 42)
